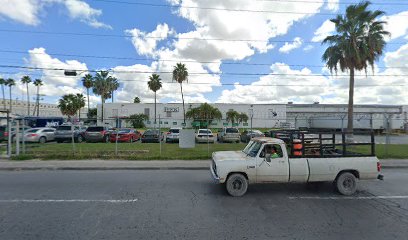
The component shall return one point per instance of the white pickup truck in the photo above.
(237, 169)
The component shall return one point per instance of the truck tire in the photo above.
(346, 183)
(236, 185)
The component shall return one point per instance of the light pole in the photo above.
(251, 115)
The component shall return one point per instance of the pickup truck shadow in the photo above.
(281, 189)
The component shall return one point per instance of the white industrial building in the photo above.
(295, 116)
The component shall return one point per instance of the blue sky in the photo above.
(271, 30)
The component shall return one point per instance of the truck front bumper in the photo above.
(214, 176)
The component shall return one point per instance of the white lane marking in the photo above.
(67, 200)
(350, 198)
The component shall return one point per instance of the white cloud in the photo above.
(55, 82)
(333, 5)
(81, 10)
(326, 29)
(396, 24)
(297, 42)
(29, 11)
(233, 25)
(146, 43)
(24, 11)
(308, 48)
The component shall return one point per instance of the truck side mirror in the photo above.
(268, 157)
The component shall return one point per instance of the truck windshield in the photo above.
(252, 148)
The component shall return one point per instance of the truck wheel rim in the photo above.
(237, 184)
(348, 183)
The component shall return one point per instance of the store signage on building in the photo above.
(171, 109)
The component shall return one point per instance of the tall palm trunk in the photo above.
(155, 107)
(182, 98)
(112, 96)
(4, 97)
(350, 106)
(87, 93)
(28, 101)
(38, 101)
(103, 101)
(10, 100)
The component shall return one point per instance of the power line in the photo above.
(200, 73)
(340, 3)
(175, 60)
(233, 10)
(160, 38)
(233, 84)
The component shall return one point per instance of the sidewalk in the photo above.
(6, 165)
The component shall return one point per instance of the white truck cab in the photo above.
(266, 160)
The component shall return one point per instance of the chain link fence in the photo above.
(142, 139)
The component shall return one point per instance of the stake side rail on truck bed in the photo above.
(267, 160)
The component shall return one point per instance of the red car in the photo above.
(125, 135)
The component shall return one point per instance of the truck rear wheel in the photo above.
(346, 183)
(236, 185)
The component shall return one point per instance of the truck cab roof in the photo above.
(268, 140)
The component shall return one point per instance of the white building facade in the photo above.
(294, 116)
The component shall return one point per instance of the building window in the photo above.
(147, 112)
(174, 123)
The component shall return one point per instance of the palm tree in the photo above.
(26, 80)
(154, 84)
(204, 114)
(101, 87)
(80, 102)
(113, 85)
(87, 82)
(69, 105)
(242, 117)
(180, 74)
(232, 116)
(359, 42)
(2, 83)
(10, 83)
(136, 100)
(38, 83)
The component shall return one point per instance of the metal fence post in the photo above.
(160, 135)
(72, 139)
(17, 138)
(23, 137)
(9, 144)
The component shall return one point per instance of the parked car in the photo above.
(64, 133)
(204, 136)
(247, 135)
(173, 135)
(5, 132)
(97, 134)
(40, 135)
(125, 135)
(229, 134)
(152, 135)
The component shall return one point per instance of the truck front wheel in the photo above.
(236, 185)
(346, 183)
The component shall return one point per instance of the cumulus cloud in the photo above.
(55, 82)
(29, 11)
(308, 48)
(395, 24)
(333, 5)
(326, 29)
(146, 43)
(297, 42)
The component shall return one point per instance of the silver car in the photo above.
(173, 135)
(40, 135)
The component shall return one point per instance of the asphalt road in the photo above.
(177, 204)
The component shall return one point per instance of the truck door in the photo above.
(275, 170)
